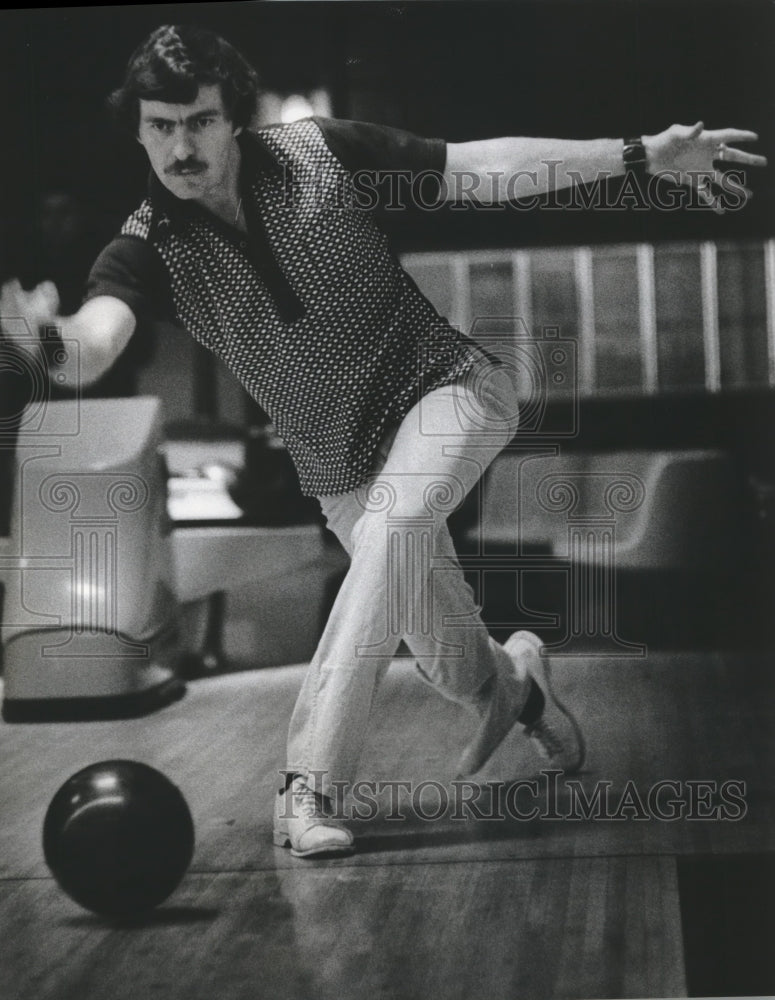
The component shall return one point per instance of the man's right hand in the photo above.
(38, 307)
(102, 326)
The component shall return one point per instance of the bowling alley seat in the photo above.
(95, 571)
(611, 553)
(669, 509)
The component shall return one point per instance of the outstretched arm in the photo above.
(496, 170)
(102, 326)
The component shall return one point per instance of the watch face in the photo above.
(634, 152)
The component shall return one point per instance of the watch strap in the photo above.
(634, 155)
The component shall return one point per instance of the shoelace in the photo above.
(307, 800)
(547, 738)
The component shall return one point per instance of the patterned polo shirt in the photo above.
(310, 309)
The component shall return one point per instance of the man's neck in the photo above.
(225, 202)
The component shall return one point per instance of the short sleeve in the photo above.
(130, 270)
(361, 146)
(379, 149)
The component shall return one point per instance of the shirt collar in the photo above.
(255, 157)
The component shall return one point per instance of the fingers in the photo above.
(707, 197)
(722, 138)
(47, 291)
(9, 299)
(10, 290)
(731, 135)
(22, 312)
(43, 297)
(732, 155)
(707, 187)
(706, 191)
(704, 187)
(11, 311)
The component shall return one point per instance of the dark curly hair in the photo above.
(171, 65)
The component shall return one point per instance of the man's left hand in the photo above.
(693, 155)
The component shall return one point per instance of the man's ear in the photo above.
(238, 131)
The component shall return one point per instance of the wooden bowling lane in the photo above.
(496, 907)
(577, 927)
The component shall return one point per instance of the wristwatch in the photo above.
(634, 156)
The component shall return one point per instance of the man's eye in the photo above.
(204, 122)
(165, 127)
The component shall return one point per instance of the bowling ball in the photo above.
(118, 837)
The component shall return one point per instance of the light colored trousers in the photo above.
(404, 580)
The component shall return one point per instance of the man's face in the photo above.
(191, 147)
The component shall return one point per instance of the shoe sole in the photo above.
(543, 677)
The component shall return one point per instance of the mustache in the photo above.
(181, 166)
